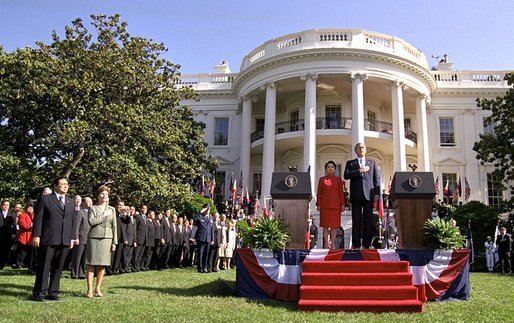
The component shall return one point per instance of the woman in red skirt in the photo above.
(329, 203)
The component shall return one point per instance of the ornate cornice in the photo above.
(338, 53)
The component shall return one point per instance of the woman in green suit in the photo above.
(101, 240)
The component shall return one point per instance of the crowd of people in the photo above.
(92, 239)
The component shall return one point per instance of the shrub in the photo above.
(480, 217)
(440, 234)
(267, 234)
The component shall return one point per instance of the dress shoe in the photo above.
(38, 298)
(52, 297)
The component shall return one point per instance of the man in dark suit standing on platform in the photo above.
(364, 179)
(78, 257)
(204, 237)
(54, 234)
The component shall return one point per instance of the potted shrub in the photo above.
(441, 234)
(266, 234)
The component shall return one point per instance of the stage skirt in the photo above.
(330, 218)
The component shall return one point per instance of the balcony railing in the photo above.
(335, 38)
(474, 78)
(333, 123)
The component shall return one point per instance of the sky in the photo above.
(476, 34)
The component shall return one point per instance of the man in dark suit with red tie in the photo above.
(54, 234)
(364, 179)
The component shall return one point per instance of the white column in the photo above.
(309, 139)
(246, 128)
(422, 133)
(400, 158)
(357, 108)
(268, 154)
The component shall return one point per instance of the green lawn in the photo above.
(182, 295)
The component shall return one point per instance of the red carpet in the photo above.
(358, 286)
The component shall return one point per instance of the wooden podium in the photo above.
(412, 194)
(291, 193)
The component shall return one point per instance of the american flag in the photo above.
(467, 190)
(437, 185)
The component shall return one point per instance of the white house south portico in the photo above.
(306, 98)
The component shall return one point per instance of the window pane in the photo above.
(489, 127)
(372, 121)
(494, 190)
(333, 116)
(447, 132)
(220, 131)
(293, 120)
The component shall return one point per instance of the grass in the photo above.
(182, 295)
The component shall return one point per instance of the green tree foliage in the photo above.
(498, 147)
(482, 219)
(99, 107)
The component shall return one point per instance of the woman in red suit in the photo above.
(25, 237)
(329, 203)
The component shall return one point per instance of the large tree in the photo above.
(498, 147)
(98, 107)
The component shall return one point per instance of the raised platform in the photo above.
(437, 274)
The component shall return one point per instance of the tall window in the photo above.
(372, 121)
(407, 123)
(259, 124)
(494, 190)
(449, 185)
(446, 132)
(221, 131)
(294, 117)
(333, 116)
(489, 127)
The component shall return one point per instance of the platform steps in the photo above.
(358, 286)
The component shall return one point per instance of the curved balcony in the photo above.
(334, 123)
(335, 38)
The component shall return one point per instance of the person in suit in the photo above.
(204, 237)
(165, 240)
(364, 179)
(116, 256)
(78, 256)
(329, 203)
(54, 234)
(129, 224)
(141, 230)
(214, 258)
(157, 249)
(150, 242)
(101, 240)
(174, 260)
(7, 232)
(186, 262)
(504, 243)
